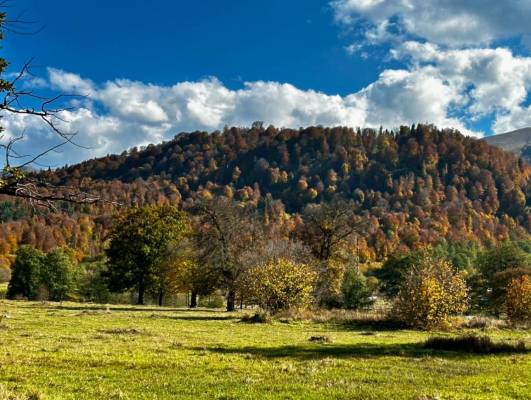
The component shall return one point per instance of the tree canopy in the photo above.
(139, 241)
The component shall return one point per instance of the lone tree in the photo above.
(25, 275)
(431, 292)
(228, 231)
(139, 246)
(282, 285)
(16, 100)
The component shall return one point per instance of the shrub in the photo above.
(518, 300)
(473, 344)
(482, 322)
(499, 284)
(498, 266)
(328, 285)
(282, 285)
(356, 293)
(431, 292)
(92, 284)
(256, 318)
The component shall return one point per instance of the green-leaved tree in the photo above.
(138, 250)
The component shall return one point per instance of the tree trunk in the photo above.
(231, 300)
(193, 299)
(161, 297)
(141, 291)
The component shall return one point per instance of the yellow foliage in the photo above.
(282, 285)
(431, 292)
(518, 299)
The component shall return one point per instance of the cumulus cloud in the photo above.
(447, 22)
(122, 113)
(484, 81)
(446, 47)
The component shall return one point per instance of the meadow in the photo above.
(85, 351)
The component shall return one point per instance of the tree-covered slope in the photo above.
(414, 187)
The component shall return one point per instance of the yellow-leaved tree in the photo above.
(518, 300)
(282, 285)
(432, 291)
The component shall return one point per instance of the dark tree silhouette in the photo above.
(15, 99)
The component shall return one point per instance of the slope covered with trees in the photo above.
(415, 187)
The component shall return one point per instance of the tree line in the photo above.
(226, 246)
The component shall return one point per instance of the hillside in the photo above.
(517, 142)
(414, 187)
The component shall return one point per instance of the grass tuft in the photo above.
(121, 331)
(257, 318)
(484, 323)
(321, 339)
(474, 344)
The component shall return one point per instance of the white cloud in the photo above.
(445, 47)
(448, 22)
(419, 95)
(69, 83)
(486, 81)
(121, 114)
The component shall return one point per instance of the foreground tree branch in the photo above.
(15, 99)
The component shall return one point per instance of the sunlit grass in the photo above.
(74, 351)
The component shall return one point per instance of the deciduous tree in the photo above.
(139, 243)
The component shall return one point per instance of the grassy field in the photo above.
(75, 351)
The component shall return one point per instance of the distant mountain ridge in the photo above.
(517, 142)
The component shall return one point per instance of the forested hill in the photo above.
(420, 167)
(414, 187)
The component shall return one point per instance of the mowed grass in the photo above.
(76, 351)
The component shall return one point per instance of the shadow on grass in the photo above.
(131, 308)
(320, 351)
(370, 325)
(198, 317)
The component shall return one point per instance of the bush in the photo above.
(328, 285)
(257, 318)
(518, 300)
(356, 293)
(498, 266)
(431, 292)
(92, 284)
(473, 344)
(282, 285)
(483, 323)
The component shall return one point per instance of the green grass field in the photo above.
(76, 351)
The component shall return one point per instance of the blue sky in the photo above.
(164, 42)
(150, 70)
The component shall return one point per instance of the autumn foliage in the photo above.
(282, 285)
(431, 293)
(408, 189)
(518, 300)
